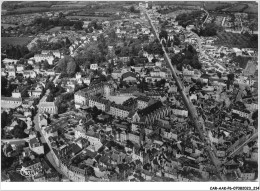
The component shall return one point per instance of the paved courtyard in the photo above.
(118, 99)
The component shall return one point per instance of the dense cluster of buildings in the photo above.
(117, 130)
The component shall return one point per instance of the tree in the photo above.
(67, 65)
(132, 9)
(132, 62)
(231, 77)
(78, 25)
(255, 115)
(219, 74)
(6, 162)
(92, 53)
(112, 36)
(4, 83)
(163, 34)
(18, 130)
(50, 98)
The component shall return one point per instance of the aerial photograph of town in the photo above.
(129, 91)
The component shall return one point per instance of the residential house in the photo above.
(36, 146)
(248, 176)
(9, 61)
(55, 53)
(93, 66)
(29, 74)
(20, 68)
(11, 73)
(42, 57)
(16, 94)
(237, 51)
(36, 92)
(34, 165)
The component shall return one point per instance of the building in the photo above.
(49, 107)
(11, 73)
(129, 77)
(9, 61)
(149, 114)
(20, 68)
(29, 74)
(81, 97)
(5, 177)
(55, 53)
(93, 66)
(16, 94)
(250, 68)
(248, 176)
(244, 114)
(42, 57)
(100, 103)
(35, 92)
(119, 111)
(36, 146)
(237, 51)
(142, 102)
(34, 165)
(10, 102)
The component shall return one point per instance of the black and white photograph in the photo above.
(117, 94)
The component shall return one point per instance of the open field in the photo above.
(176, 13)
(252, 8)
(187, 3)
(54, 29)
(32, 9)
(109, 10)
(118, 99)
(81, 17)
(211, 6)
(8, 25)
(236, 8)
(15, 40)
(234, 40)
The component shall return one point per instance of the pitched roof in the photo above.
(11, 99)
(75, 148)
(34, 142)
(150, 109)
(99, 100)
(143, 98)
(127, 74)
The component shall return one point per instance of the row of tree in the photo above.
(60, 44)
(16, 52)
(45, 22)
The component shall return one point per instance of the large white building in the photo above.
(119, 111)
(43, 57)
(101, 104)
(55, 53)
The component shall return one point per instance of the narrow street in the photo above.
(47, 151)
(236, 151)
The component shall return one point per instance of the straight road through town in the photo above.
(192, 111)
